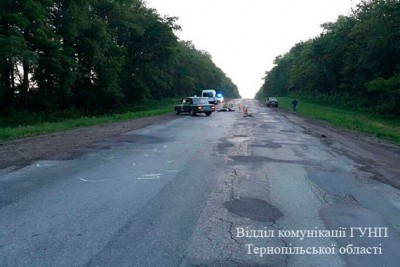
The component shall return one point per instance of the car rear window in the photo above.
(200, 101)
(208, 94)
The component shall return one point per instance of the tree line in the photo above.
(354, 62)
(96, 56)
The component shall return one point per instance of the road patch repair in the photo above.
(254, 209)
(239, 201)
(229, 212)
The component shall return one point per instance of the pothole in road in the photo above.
(256, 159)
(334, 183)
(136, 138)
(248, 159)
(254, 209)
(271, 145)
(223, 147)
(240, 135)
(268, 126)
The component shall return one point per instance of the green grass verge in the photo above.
(151, 108)
(376, 125)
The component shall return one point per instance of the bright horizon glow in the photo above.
(244, 37)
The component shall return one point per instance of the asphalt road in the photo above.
(184, 192)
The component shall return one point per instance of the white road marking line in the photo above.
(148, 177)
(151, 175)
(92, 181)
(137, 164)
(41, 165)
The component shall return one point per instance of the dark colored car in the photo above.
(272, 102)
(194, 105)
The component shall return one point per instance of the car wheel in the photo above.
(177, 112)
(192, 113)
(208, 113)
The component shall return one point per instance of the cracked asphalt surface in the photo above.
(176, 194)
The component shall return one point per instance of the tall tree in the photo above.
(13, 48)
(355, 57)
(95, 56)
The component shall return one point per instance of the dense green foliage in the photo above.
(95, 56)
(355, 62)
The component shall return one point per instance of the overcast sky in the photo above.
(244, 36)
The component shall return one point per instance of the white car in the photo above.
(211, 95)
(219, 98)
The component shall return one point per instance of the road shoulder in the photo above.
(373, 155)
(70, 144)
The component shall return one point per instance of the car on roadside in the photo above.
(219, 98)
(272, 102)
(194, 105)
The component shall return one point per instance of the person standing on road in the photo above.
(294, 104)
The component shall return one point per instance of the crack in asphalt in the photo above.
(256, 159)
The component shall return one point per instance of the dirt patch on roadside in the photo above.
(72, 143)
(379, 157)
